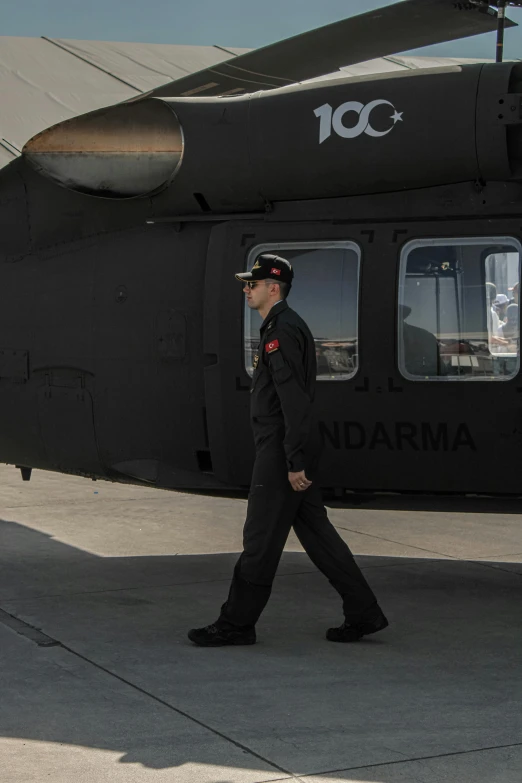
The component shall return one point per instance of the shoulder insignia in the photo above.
(273, 346)
(270, 324)
(256, 361)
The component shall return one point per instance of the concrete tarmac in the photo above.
(100, 582)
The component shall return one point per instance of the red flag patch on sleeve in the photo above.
(273, 346)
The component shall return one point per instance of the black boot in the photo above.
(219, 636)
(372, 621)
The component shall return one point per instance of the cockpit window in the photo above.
(325, 293)
(458, 309)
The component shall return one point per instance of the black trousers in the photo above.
(273, 509)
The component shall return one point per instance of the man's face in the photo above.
(257, 293)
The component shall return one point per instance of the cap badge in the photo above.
(273, 346)
(275, 271)
(257, 265)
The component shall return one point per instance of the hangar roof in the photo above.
(46, 80)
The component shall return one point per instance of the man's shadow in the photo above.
(124, 678)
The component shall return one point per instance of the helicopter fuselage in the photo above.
(126, 347)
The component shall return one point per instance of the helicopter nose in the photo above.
(122, 151)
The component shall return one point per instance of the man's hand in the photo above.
(299, 481)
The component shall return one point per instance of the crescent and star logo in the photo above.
(333, 120)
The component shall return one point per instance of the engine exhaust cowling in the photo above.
(121, 151)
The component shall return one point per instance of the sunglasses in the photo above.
(252, 283)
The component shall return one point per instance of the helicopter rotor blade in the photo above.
(405, 25)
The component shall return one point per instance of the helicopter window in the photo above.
(458, 309)
(325, 292)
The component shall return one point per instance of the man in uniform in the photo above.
(283, 491)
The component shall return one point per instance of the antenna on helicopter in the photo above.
(501, 18)
(489, 8)
(501, 22)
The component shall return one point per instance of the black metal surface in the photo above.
(122, 342)
(236, 159)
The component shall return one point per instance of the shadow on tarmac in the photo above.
(445, 677)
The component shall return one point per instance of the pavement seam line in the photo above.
(207, 581)
(184, 714)
(120, 589)
(278, 780)
(90, 500)
(415, 758)
(26, 630)
(288, 775)
(48, 641)
(399, 543)
(82, 502)
(149, 587)
(488, 564)
(41, 639)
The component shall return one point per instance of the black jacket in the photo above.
(283, 386)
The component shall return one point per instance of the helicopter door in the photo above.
(325, 293)
(65, 412)
(458, 350)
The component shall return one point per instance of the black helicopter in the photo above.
(126, 349)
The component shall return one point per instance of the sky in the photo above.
(241, 23)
